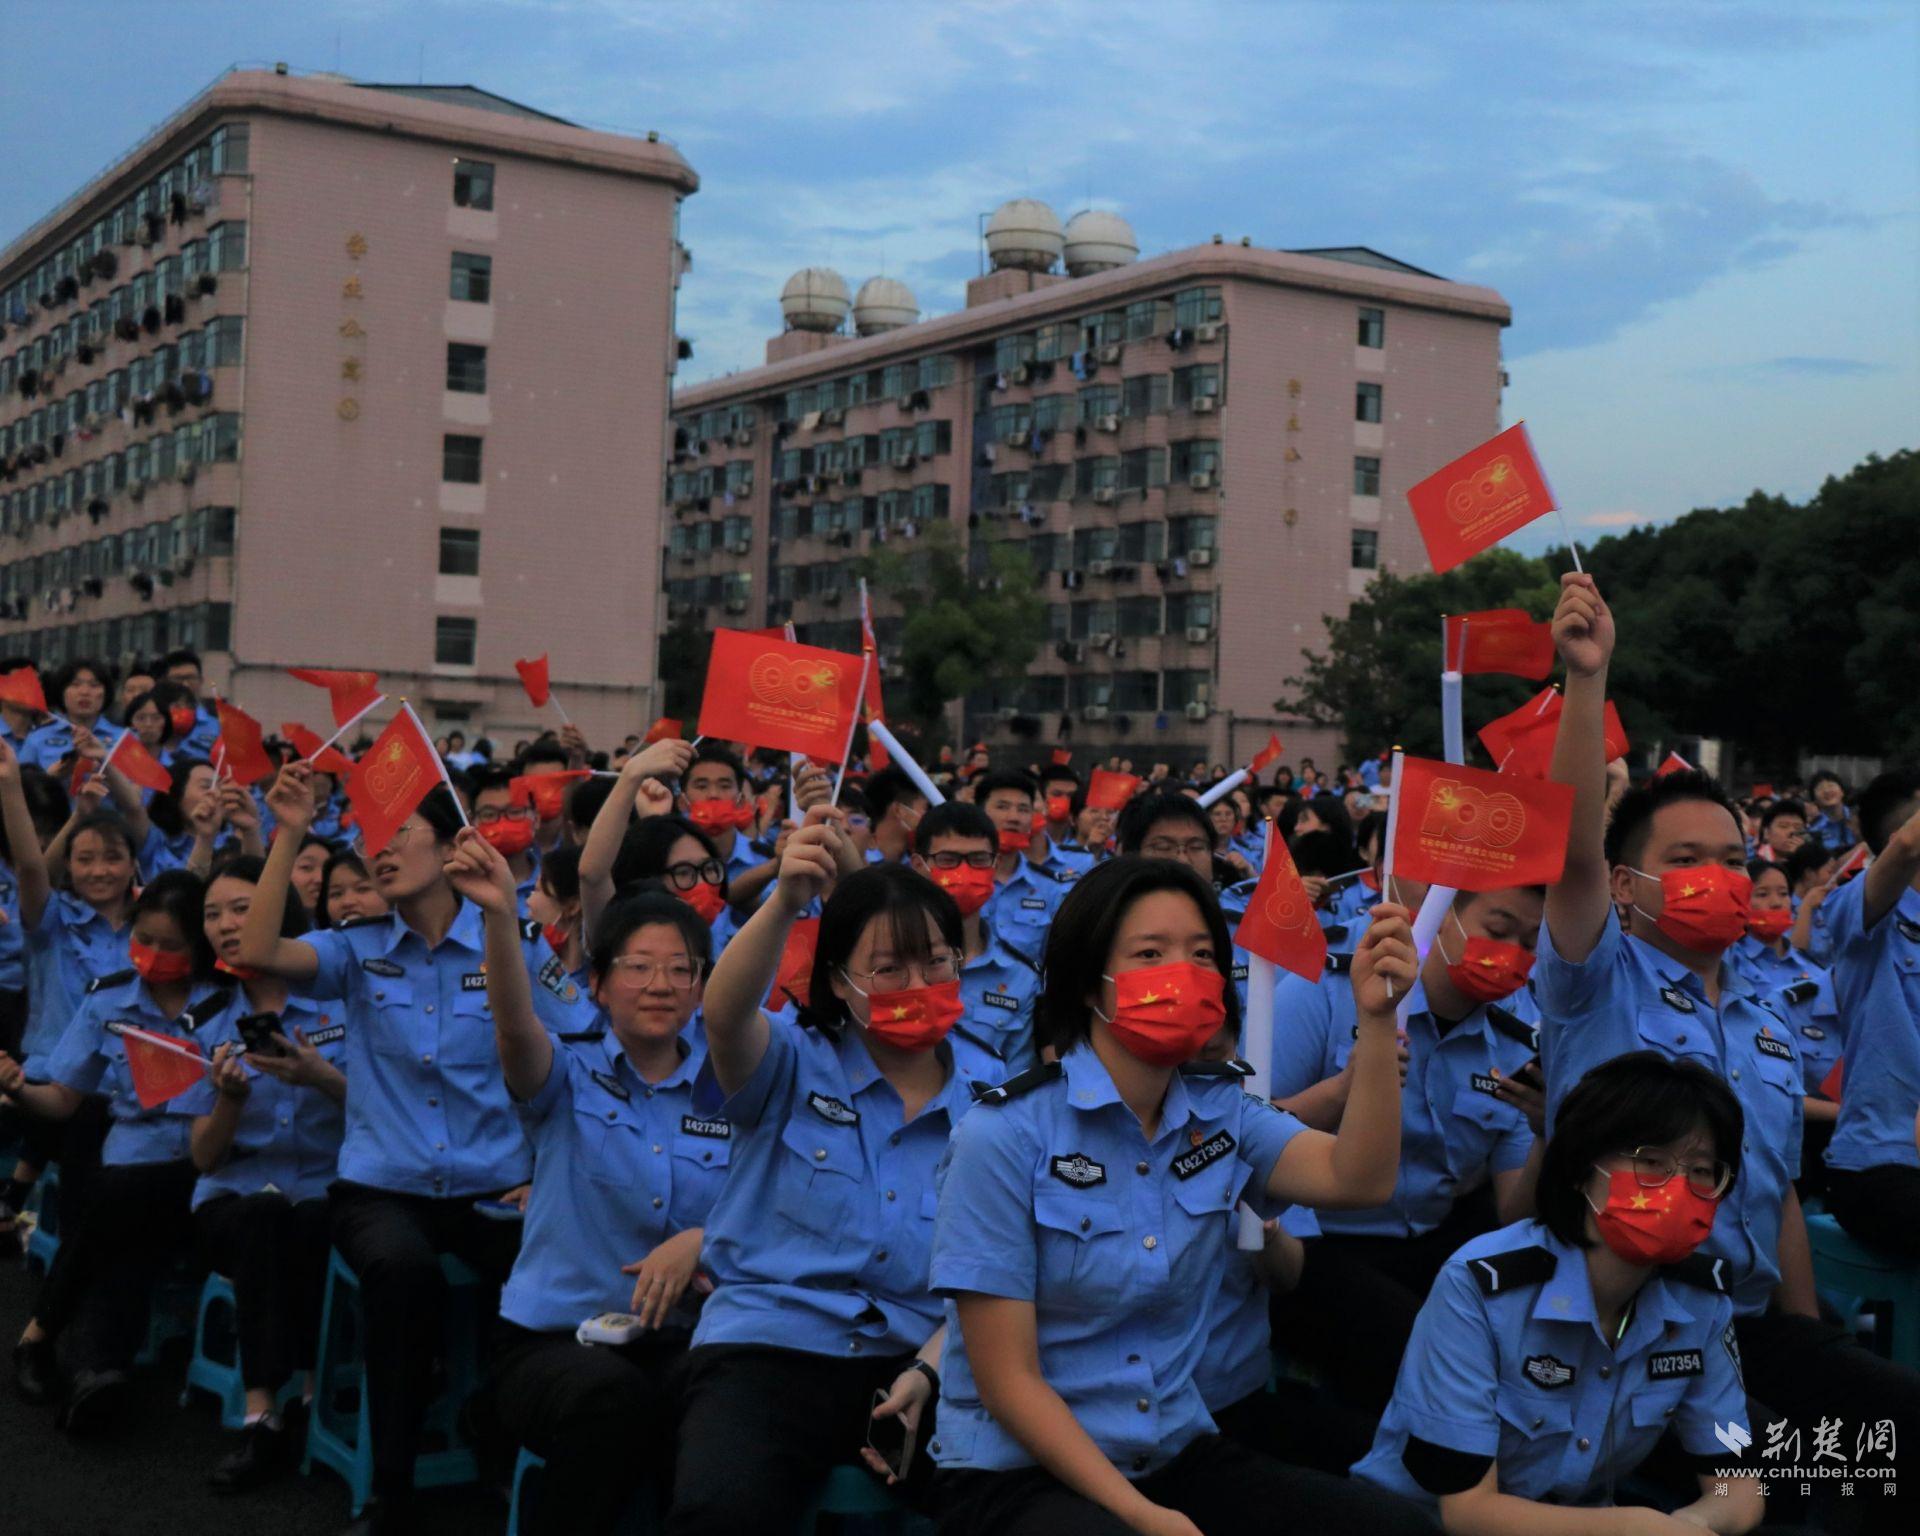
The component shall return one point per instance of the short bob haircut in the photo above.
(559, 873)
(1640, 1099)
(1082, 934)
(1143, 812)
(111, 829)
(644, 849)
(441, 812)
(247, 868)
(1632, 819)
(954, 819)
(340, 858)
(650, 906)
(901, 898)
(180, 895)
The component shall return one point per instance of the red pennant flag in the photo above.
(247, 759)
(137, 765)
(1763, 791)
(794, 980)
(1477, 831)
(663, 729)
(22, 687)
(779, 694)
(1265, 755)
(162, 1067)
(1480, 498)
(1521, 743)
(1062, 757)
(352, 693)
(1851, 865)
(308, 744)
(1499, 640)
(1279, 924)
(546, 792)
(533, 678)
(78, 775)
(1673, 763)
(1110, 791)
(387, 785)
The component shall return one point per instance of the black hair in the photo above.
(1081, 938)
(1633, 813)
(338, 859)
(725, 757)
(1882, 806)
(181, 895)
(1323, 854)
(1331, 811)
(1784, 806)
(546, 750)
(560, 872)
(1053, 773)
(1372, 825)
(47, 801)
(441, 812)
(644, 849)
(249, 867)
(1813, 784)
(63, 679)
(110, 827)
(1011, 779)
(1138, 816)
(1758, 867)
(584, 799)
(163, 810)
(1639, 1099)
(893, 893)
(954, 819)
(479, 780)
(181, 657)
(162, 696)
(888, 788)
(652, 905)
(853, 798)
(1804, 860)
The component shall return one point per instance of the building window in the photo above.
(227, 246)
(456, 641)
(467, 368)
(1366, 476)
(459, 551)
(460, 459)
(472, 184)
(1373, 327)
(1366, 549)
(1366, 402)
(472, 279)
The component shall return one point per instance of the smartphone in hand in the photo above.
(257, 1031)
(890, 1438)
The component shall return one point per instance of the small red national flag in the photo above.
(794, 980)
(307, 743)
(78, 775)
(137, 765)
(546, 792)
(1480, 498)
(1110, 791)
(162, 1067)
(664, 729)
(352, 694)
(1062, 757)
(22, 687)
(780, 694)
(533, 678)
(1265, 755)
(1521, 743)
(1673, 763)
(1279, 924)
(247, 759)
(1763, 791)
(1830, 1084)
(1851, 865)
(1499, 640)
(388, 783)
(1477, 831)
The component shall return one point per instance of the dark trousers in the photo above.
(133, 1223)
(602, 1417)
(1301, 1424)
(13, 1020)
(1878, 1206)
(275, 1253)
(761, 1427)
(393, 1243)
(1223, 1488)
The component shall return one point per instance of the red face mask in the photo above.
(1164, 1014)
(238, 972)
(183, 718)
(547, 792)
(509, 836)
(1705, 907)
(1371, 880)
(970, 888)
(156, 967)
(1771, 924)
(1490, 969)
(1653, 1226)
(914, 1018)
(1015, 842)
(556, 936)
(1059, 807)
(704, 899)
(712, 816)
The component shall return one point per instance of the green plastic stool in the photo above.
(1846, 1269)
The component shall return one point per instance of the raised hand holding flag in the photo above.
(243, 746)
(136, 764)
(398, 771)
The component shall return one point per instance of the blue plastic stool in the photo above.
(638, 1520)
(338, 1433)
(528, 1462)
(171, 1310)
(853, 1491)
(217, 1369)
(44, 1202)
(1848, 1272)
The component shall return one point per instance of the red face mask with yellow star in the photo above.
(914, 1018)
(1703, 908)
(1164, 1014)
(1652, 1226)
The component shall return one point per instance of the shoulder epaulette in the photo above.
(1802, 991)
(1233, 1069)
(1022, 1083)
(1499, 1273)
(1700, 1271)
(100, 983)
(362, 922)
(529, 930)
(1339, 965)
(1018, 954)
(582, 1037)
(1336, 933)
(978, 1043)
(210, 1006)
(1512, 1026)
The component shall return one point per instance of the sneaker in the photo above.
(265, 1452)
(34, 1373)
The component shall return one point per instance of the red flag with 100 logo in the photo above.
(1476, 831)
(1279, 924)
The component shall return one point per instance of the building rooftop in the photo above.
(466, 96)
(1366, 256)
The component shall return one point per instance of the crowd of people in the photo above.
(788, 1122)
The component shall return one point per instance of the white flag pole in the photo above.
(886, 738)
(1261, 979)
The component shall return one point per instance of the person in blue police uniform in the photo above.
(819, 1244)
(1831, 826)
(135, 1214)
(625, 1172)
(1030, 877)
(266, 1142)
(1873, 1172)
(1086, 1210)
(716, 797)
(1467, 1150)
(956, 849)
(78, 692)
(1555, 1353)
(1672, 859)
(430, 1129)
(183, 668)
(661, 845)
(1062, 800)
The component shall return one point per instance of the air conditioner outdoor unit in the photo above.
(686, 557)
(1100, 568)
(833, 417)
(1200, 557)
(1006, 715)
(736, 605)
(1094, 712)
(1103, 493)
(1198, 634)
(1110, 353)
(1201, 479)
(1208, 332)
(1197, 710)
(742, 436)
(1204, 405)
(1108, 423)
(1020, 374)
(903, 459)
(832, 599)
(905, 402)
(1016, 439)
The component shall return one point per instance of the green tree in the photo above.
(974, 618)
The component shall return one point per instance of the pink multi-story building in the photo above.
(364, 376)
(1204, 454)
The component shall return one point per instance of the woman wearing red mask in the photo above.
(554, 903)
(135, 1215)
(1084, 1222)
(1554, 1354)
(644, 790)
(819, 1242)
(505, 817)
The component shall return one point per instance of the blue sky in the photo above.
(1706, 215)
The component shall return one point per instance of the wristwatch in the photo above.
(933, 1376)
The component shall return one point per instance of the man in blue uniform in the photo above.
(183, 667)
(1028, 889)
(894, 808)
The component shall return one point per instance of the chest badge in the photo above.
(1546, 1371)
(1908, 929)
(832, 1110)
(1670, 1364)
(1187, 1164)
(1673, 997)
(1079, 1170)
(1766, 1045)
(1001, 1000)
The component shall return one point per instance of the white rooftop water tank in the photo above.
(1097, 240)
(884, 304)
(814, 299)
(1026, 235)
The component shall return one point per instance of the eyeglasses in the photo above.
(678, 974)
(951, 860)
(493, 816)
(857, 823)
(935, 970)
(684, 877)
(402, 833)
(1167, 848)
(1653, 1168)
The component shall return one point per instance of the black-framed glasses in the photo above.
(1170, 848)
(684, 877)
(951, 860)
(493, 815)
(1706, 1177)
